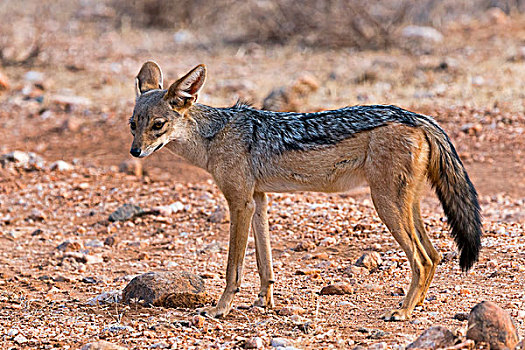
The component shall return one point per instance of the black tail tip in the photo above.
(469, 256)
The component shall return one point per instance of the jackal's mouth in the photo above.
(158, 147)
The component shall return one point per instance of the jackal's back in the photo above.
(274, 133)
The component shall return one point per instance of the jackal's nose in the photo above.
(135, 152)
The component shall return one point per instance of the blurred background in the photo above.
(67, 68)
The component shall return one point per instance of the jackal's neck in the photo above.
(203, 124)
(209, 120)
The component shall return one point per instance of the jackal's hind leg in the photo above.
(399, 221)
(433, 254)
(394, 178)
(263, 251)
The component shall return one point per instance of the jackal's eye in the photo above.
(132, 125)
(158, 125)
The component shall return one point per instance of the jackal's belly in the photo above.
(310, 183)
(337, 168)
(328, 174)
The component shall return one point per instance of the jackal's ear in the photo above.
(149, 78)
(184, 92)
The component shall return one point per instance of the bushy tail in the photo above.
(456, 194)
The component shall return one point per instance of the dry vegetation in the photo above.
(67, 69)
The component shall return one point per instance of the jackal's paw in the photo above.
(266, 302)
(212, 311)
(396, 315)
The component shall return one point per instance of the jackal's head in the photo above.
(159, 115)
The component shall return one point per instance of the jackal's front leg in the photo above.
(241, 212)
(263, 250)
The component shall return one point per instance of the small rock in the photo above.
(325, 265)
(72, 124)
(93, 259)
(305, 85)
(378, 346)
(125, 212)
(520, 55)
(422, 32)
(370, 260)
(110, 241)
(89, 280)
(4, 82)
(131, 167)
(291, 310)
(435, 337)
(398, 292)
(69, 101)
(94, 243)
(209, 275)
(279, 342)
(37, 215)
(37, 232)
(364, 330)
(345, 303)
(143, 256)
(197, 321)
(466, 345)
(19, 158)
(114, 296)
(20, 339)
(496, 15)
(421, 321)
(376, 246)
(167, 210)
(25, 160)
(183, 36)
(377, 334)
(82, 186)
(337, 289)
(12, 332)
(359, 347)
(307, 272)
(491, 264)
(213, 247)
(473, 129)
(289, 98)
(61, 278)
(304, 246)
(321, 256)
(305, 327)
(219, 215)
(69, 246)
(449, 256)
(353, 270)
(478, 80)
(167, 289)
(491, 324)
(461, 316)
(60, 165)
(254, 343)
(328, 241)
(34, 76)
(117, 328)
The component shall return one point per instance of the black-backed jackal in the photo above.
(250, 152)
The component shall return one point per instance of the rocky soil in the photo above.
(66, 257)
